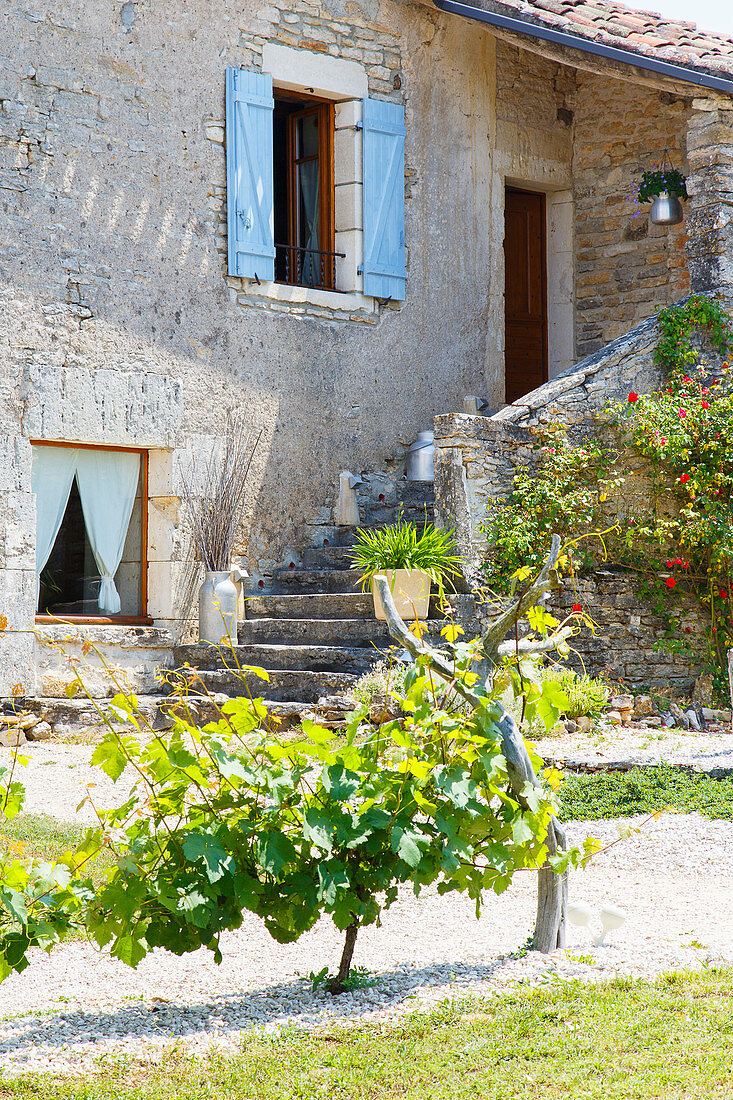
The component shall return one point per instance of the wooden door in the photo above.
(525, 357)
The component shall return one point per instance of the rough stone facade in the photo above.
(625, 268)
(120, 326)
(710, 219)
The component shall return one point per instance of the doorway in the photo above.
(525, 266)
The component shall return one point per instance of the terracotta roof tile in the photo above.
(647, 33)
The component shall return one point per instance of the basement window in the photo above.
(91, 508)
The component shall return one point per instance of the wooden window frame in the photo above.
(326, 193)
(117, 620)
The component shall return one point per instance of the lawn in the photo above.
(45, 837)
(666, 1040)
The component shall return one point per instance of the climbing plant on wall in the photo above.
(678, 537)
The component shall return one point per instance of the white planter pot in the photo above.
(218, 610)
(410, 591)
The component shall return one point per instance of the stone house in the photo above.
(336, 217)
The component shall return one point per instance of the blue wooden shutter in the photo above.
(250, 220)
(384, 199)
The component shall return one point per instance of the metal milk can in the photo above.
(666, 210)
(420, 457)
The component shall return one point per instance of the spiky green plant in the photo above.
(398, 546)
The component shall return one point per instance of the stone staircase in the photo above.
(314, 631)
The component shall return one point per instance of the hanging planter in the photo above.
(665, 189)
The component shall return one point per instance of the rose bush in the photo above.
(679, 541)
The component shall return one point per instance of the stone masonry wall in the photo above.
(625, 268)
(607, 375)
(111, 267)
(534, 150)
(475, 462)
(710, 185)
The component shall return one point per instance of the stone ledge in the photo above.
(124, 637)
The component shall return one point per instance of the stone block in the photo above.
(347, 150)
(17, 664)
(18, 531)
(164, 532)
(348, 206)
(125, 407)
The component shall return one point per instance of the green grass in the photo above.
(667, 1040)
(44, 837)
(643, 790)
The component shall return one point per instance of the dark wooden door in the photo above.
(525, 293)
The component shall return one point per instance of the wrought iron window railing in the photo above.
(306, 266)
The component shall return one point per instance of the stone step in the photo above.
(344, 537)
(315, 580)
(318, 605)
(327, 557)
(284, 685)
(309, 658)
(329, 632)
(377, 514)
(416, 492)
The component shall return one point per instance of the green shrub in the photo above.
(587, 695)
(644, 790)
(382, 679)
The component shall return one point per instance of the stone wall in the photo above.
(476, 459)
(534, 150)
(117, 320)
(710, 185)
(626, 640)
(625, 268)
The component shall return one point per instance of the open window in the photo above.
(315, 187)
(303, 191)
(91, 509)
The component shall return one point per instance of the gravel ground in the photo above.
(674, 880)
(623, 746)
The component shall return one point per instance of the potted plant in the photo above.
(213, 490)
(412, 563)
(664, 188)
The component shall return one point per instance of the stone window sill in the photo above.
(347, 304)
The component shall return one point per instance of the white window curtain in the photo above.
(310, 231)
(107, 482)
(52, 476)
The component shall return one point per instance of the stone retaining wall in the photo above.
(475, 462)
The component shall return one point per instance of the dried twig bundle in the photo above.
(214, 490)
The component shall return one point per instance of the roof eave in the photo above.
(669, 69)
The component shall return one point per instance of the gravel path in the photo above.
(674, 880)
(624, 746)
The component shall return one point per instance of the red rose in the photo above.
(704, 404)
(669, 565)
(682, 414)
(671, 582)
(633, 398)
(723, 594)
(688, 630)
(687, 378)
(685, 478)
(577, 609)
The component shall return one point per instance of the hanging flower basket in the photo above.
(665, 189)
